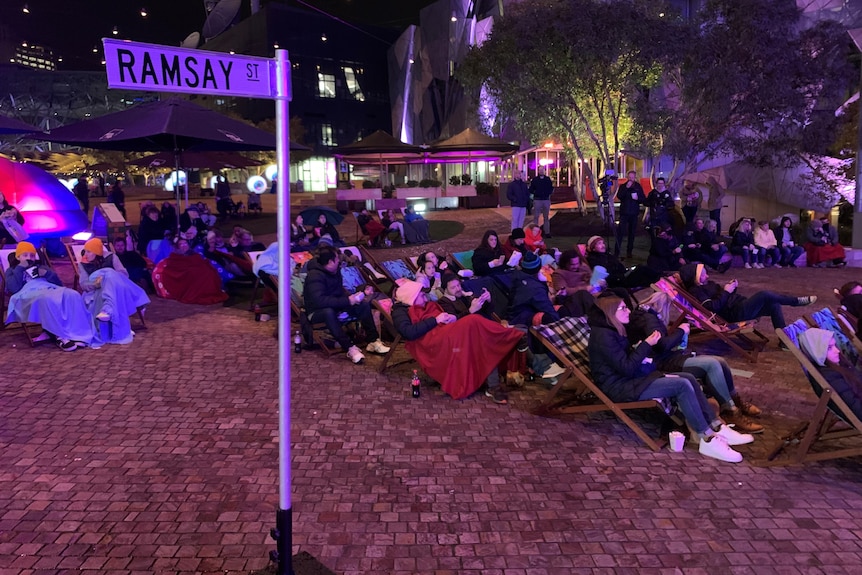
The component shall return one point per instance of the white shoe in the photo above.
(777, 266)
(42, 337)
(377, 347)
(103, 316)
(717, 448)
(748, 266)
(354, 354)
(553, 371)
(760, 266)
(733, 437)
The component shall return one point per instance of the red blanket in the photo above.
(460, 355)
(188, 279)
(817, 254)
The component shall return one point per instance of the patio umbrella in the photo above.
(470, 146)
(380, 148)
(12, 126)
(312, 214)
(173, 125)
(197, 160)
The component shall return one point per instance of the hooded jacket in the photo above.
(529, 296)
(710, 295)
(617, 367)
(323, 289)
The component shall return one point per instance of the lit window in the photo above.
(353, 84)
(325, 85)
(326, 135)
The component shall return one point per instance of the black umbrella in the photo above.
(312, 214)
(12, 126)
(172, 125)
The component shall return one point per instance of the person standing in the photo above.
(118, 197)
(541, 188)
(660, 202)
(631, 196)
(715, 202)
(82, 192)
(691, 199)
(519, 197)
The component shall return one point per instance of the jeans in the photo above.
(627, 226)
(772, 253)
(543, 208)
(361, 311)
(683, 389)
(518, 215)
(748, 256)
(790, 255)
(761, 304)
(716, 216)
(715, 374)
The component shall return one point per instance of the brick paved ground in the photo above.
(160, 457)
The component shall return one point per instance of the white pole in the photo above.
(284, 523)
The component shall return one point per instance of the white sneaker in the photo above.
(733, 437)
(354, 354)
(748, 266)
(377, 347)
(554, 371)
(42, 337)
(103, 316)
(717, 448)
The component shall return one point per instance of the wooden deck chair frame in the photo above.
(361, 236)
(818, 429)
(459, 263)
(589, 397)
(845, 330)
(74, 251)
(315, 329)
(26, 327)
(386, 317)
(369, 266)
(711, 325)
(378, 267)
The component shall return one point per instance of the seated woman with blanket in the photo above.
(38, 296)
(460, 354)
(111, 297)
(187, 277)
(844, 379)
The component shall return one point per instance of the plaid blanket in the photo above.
(571, 337)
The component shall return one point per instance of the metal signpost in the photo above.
(149, 67)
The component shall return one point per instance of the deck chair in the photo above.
(30, 329)
(396, 270)
(845, 337)
(368, 265)
(385, 308)
(362, 238)
(708, 325)
(252, 257)
(831, 420)
(464, 260)
(75, 250)
(413, 262)
(312, 332)
(567, 340)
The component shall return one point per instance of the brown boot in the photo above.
(740, 422)
(747, 409)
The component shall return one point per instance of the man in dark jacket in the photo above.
(325, 299)
(529, 294)
(459, 303)
(519, 196)
(541, 187)
(726, 303)
(631, 196)
(660, 202)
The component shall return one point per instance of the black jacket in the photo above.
(541, 187)
(642, 323)
(323, 289)
(518, 194)
(616, 270)
(528, 297)
(628, 205)
(618, 369)
(408, 329)
(483, 256)
(710, 295)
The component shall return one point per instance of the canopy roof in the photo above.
(379, 147)
(470, 145)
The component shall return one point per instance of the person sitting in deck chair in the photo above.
(844, 379)
(111, 297)
(626, 373)
(726, 303)
(38, 296)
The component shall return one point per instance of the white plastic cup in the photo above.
(676, 441)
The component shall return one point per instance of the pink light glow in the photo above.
(49, 209)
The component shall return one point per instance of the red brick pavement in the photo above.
(161, 457)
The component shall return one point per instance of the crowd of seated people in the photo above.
(822, 248)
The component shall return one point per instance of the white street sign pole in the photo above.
(138, 66)
(284, 523)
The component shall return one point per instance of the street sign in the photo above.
(149, 67)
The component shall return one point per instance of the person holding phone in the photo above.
(461, 303)
(625, 372)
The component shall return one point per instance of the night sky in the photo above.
(73, 27)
